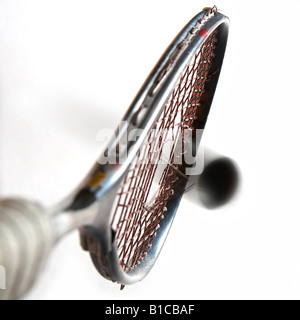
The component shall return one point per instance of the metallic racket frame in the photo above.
(90, 207)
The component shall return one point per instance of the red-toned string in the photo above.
(146, 189)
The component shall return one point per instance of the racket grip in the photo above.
(26, 237)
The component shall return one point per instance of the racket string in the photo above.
(141, 203)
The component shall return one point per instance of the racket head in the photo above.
(102, 186)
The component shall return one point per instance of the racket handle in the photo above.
(26, 237)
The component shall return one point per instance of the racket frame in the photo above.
(91, 211)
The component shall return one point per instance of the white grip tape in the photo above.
(26, 238)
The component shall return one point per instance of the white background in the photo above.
(70, 68)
